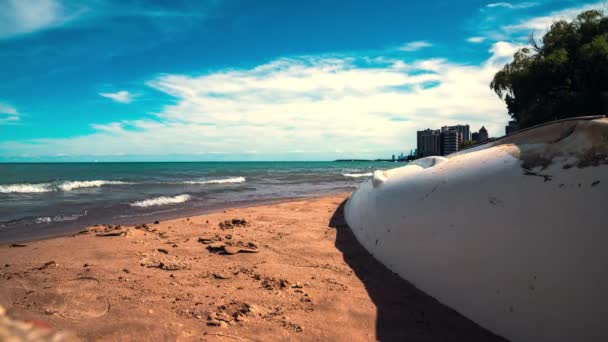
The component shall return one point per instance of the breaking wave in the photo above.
(58, 218)
(163, 200)
(71, 185)
(218, 181)
(48, 187)
(26, 188)
(357, 175)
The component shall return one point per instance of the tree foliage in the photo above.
(563, 75)
(468, 143)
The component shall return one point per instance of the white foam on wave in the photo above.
(163, 200)
(71, 185)
(218, 181)
(357, 175)
(26, 188)
(58, 218)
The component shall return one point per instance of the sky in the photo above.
(216, 80)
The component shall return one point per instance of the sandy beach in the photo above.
(287, 271)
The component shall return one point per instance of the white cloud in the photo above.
(122, 96)
(476, 40)
(539, 25)
(356, 105)
(6, 109)
(520, 5)
(25, 16)
(415, 46)
(8, 114)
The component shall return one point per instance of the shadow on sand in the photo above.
(404, 312)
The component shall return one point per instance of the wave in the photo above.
(58, 218)
(71, 185)
(357, 175)
(26, 188)
(49, 187)
(161, 201)
(218, 181)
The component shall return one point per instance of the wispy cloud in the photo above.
(415, 46)
(8, 114)
(495, 27)
(520, 5)
(122, 96)
(19, 17)
(539, 25)
(476, 40)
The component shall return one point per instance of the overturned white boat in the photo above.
(512, 234)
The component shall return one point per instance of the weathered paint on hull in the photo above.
(513, 234)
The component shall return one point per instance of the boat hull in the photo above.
(512, 234)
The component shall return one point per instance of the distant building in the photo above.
(475, 137)
(450, 141)
(512, 127)
(464, 132)
(481, 136)
(393, 157)
(428, 142)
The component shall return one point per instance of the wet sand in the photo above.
(287, 271)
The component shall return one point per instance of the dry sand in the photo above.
(291, 271)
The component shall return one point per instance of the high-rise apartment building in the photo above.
(429, 142)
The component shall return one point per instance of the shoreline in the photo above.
(283, 271)
(67, 228)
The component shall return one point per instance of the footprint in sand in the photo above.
(76, 299)
(82, 299)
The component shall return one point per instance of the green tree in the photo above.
(467, 143)
(564, 75)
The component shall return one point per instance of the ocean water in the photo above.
(51, 199)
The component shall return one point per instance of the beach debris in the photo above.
(272, 284)
(209, 240)
(221, 276)
(173, 266)
(305, 297)
(47, 265)
(13, 245)
(162, 250)
(231, 224)
(167, 264)
(291, 326)
(106, 230)
(146, 228)
(156, 222)
(276, 314)
(230, 248)
(232, 313)
(113, 233)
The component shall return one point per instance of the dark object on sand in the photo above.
(230, 224)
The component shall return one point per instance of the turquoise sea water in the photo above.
(42, 200)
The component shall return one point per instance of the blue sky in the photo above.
(251, 80)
